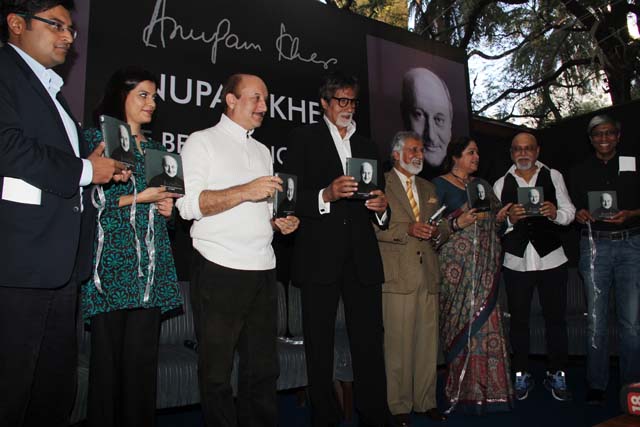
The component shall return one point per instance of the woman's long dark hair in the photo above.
(455, 149)
(117, 89)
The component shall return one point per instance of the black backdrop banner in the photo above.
(193, 46)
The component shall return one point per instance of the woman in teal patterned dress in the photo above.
(120, 303)
(473, 339)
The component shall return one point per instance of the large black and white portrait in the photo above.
(427, 110)
(415, 90)
(164, 169)
(603, 204)
(531, 199)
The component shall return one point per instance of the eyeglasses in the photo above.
(56, 26)
(604, 133)
(526, 149)
(343, 102)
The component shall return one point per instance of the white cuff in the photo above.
(189, 207)
(509, 225)
(87, 173)
(323, 207)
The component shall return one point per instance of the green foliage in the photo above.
(392, 12)
(556, 57)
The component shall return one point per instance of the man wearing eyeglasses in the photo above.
(534, 258)
(46, 217)
(336, 254)
(616, 244)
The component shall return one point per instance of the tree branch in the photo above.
(474, 16)
(546, 79)
(581, 13)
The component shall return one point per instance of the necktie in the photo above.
(412, 201)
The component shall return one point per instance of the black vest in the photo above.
(540, 231)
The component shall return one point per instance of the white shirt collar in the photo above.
(403, 177)
(51, 81)
(235, 129)
(351, 128)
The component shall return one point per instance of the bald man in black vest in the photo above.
(534, 258)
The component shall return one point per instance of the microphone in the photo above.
(437, 215)
(630, 399)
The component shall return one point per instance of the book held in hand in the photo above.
(118, 140)
(284, 202)
(478, 195)
(164, 169)
(531, 199)
(603, 204)
(365, 171)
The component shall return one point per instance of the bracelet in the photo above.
(454, 225)
(436, 241)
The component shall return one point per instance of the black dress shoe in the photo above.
(595, 397)
(435, 415)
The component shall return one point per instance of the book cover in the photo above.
(284, 202)
(164, 169)
(118, 140)
(603, 204)
(531, 199)
(365, 171)
(478, 195)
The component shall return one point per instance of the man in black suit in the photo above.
(46, 220)
(337, 255)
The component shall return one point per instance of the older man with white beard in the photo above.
(410, 290)
(534, 257)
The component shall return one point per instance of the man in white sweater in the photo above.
(228, 183)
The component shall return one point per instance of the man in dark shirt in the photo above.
(616, 242)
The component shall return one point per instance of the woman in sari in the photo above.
(474, 345)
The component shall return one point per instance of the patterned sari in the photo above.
(473, 339)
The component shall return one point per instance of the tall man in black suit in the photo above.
(337, 254)
(46, 219)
